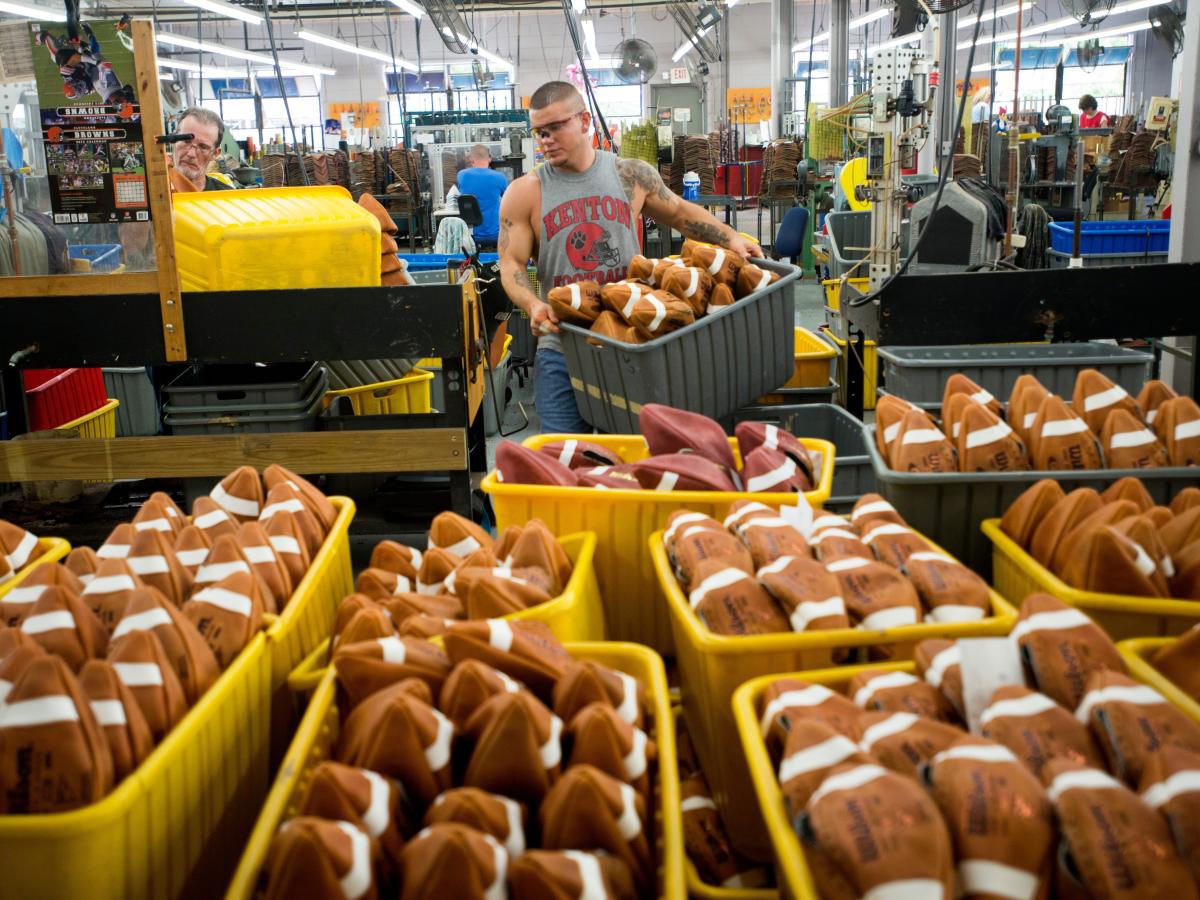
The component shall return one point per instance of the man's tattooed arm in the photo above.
(636, 173)
(710, 232)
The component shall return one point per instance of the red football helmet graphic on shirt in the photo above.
(588, 248)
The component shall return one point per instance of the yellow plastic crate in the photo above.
(622, 520)
(696, 886)
(870, 366)
(99, 423)
(833, 289)
(400, 396)
(794, 877)
(812, 360)
(711, 666)
(318, 733)
(307, 618)
(1137, 653)
(577, 614)
(1017, 575)
(178, 822)
(275, 238)
(49, 549)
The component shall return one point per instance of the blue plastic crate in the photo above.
(429, 262)
(1141, 236)
(103, 257)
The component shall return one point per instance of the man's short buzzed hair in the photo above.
(555, 92)
(480, 153)
(208, 117)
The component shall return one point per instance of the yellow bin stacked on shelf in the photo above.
(276, 238)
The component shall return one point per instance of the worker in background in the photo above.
(1095, 146)
(192, 159)
(486, 185)
(577, 216)
(1089, 115)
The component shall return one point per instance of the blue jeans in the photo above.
(553, 396)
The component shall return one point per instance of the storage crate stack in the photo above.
(246, 399)
(779, 169)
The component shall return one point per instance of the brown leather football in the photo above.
(912, 849)
(730, 601)
(577, 303)
(1025, 513)
(1037, 729)
(1061, 648)
(316, 857)
(1096, 397)
(1116, 845)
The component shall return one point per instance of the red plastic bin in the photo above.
(54, 397)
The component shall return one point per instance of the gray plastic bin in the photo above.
(241, 388)
(853, 474)
(138, 412)
(949, 507)
(524, 346)
(263, 420)
(719, 363)
(1063, 260)
(918, 374)
(495, 385)
(848, 237)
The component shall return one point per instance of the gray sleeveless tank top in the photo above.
(587, 231)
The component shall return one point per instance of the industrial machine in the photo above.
(958, 233)
(904, 82)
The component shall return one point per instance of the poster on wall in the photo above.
(91, 122)
(749, 104)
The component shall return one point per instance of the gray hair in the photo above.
(208, 117)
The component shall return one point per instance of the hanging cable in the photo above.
(589, 92)
(937, 200)
(266, 8)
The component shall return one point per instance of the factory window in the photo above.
(233, 100)
(1105, 82)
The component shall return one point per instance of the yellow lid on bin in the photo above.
(277, 238)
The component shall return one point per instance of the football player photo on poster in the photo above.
(91, 120)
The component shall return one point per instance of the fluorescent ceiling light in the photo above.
(229, 10)
(589, 41)
(987, 67)
(1120, 31)
(178, 40)
(579, 7)
(901, 41)
(686, 47)
(32, 11)
(316, 37)
(409, 7)
(476, 50)
(870, 17)
(209, 71)
(1065, 22)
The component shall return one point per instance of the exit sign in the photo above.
(679, 75)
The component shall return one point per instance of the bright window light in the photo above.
(229, 10)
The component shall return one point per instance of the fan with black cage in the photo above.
(1167, 23)
(1088, 53)
(634, 61)
(1089, 12)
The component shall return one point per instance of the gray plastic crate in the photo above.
(853, 474)
(1063, 260)
(918, 374)
(723, 361)
(241, 388)
(495, 385)
(848, 237)
(949, 507)
(138, 412)
(263, 420)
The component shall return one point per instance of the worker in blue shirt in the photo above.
(486, 185)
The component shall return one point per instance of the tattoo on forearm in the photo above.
(710, 232)
(636, 173)
(517, 280)
(502, 241)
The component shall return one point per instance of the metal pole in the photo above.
(782, 19)
(839, 53)
(947, 100)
